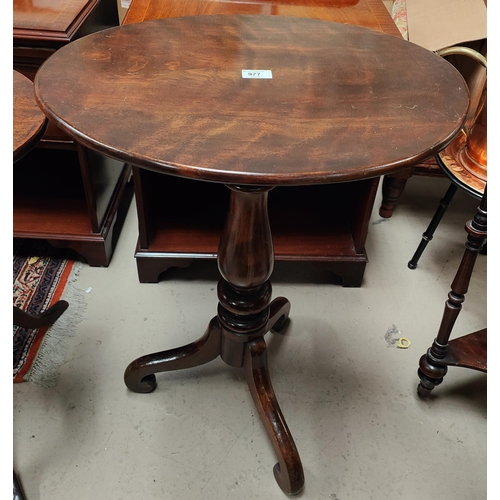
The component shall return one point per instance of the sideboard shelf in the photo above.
(63, 192)
(181, 220)
(51, 201)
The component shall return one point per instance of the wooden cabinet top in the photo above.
(56, 20)
(367, 13)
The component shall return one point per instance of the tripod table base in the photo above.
(248, 353)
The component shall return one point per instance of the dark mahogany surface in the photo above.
(49, 19)
(28, 120)
(316, 228)
(368, 13)
(344, 102)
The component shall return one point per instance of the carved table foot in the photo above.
(279, 310)
(430, 371)
(17, 490)
(140, 374)
(288, 471)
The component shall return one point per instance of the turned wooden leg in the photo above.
(48, 317)
(246, 313)
(433, 364)
(140, 374)
(429, 232)
(392, 188)
(288, 472)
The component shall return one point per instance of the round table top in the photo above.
(263, 100)
(29, 122)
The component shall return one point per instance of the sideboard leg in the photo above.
(393, 186)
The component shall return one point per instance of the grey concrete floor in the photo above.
(348, 394)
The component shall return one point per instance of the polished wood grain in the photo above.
(29, 122)
(464, 161)
(245, 314)
(172, 238)
(288, 471)
(367, 13)
(469, 351)
(348, 114)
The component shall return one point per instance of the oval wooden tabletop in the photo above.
(343, 103)
(29, 121)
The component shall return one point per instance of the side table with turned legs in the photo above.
(468, 351)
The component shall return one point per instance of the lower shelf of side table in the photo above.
(181, 220)
(50, 203)
(468, 351)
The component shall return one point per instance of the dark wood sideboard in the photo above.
(63, 192)
(327, 224)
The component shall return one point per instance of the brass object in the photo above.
(465, 158)
(464, 51)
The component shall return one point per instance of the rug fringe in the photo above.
(44, 371)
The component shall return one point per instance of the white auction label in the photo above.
(256, 73)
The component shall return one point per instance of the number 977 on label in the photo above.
(256, 73)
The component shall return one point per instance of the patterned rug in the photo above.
(42, 276)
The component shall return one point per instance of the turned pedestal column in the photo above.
(244, 315)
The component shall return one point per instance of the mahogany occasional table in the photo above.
(251, 102)
(315, 232)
